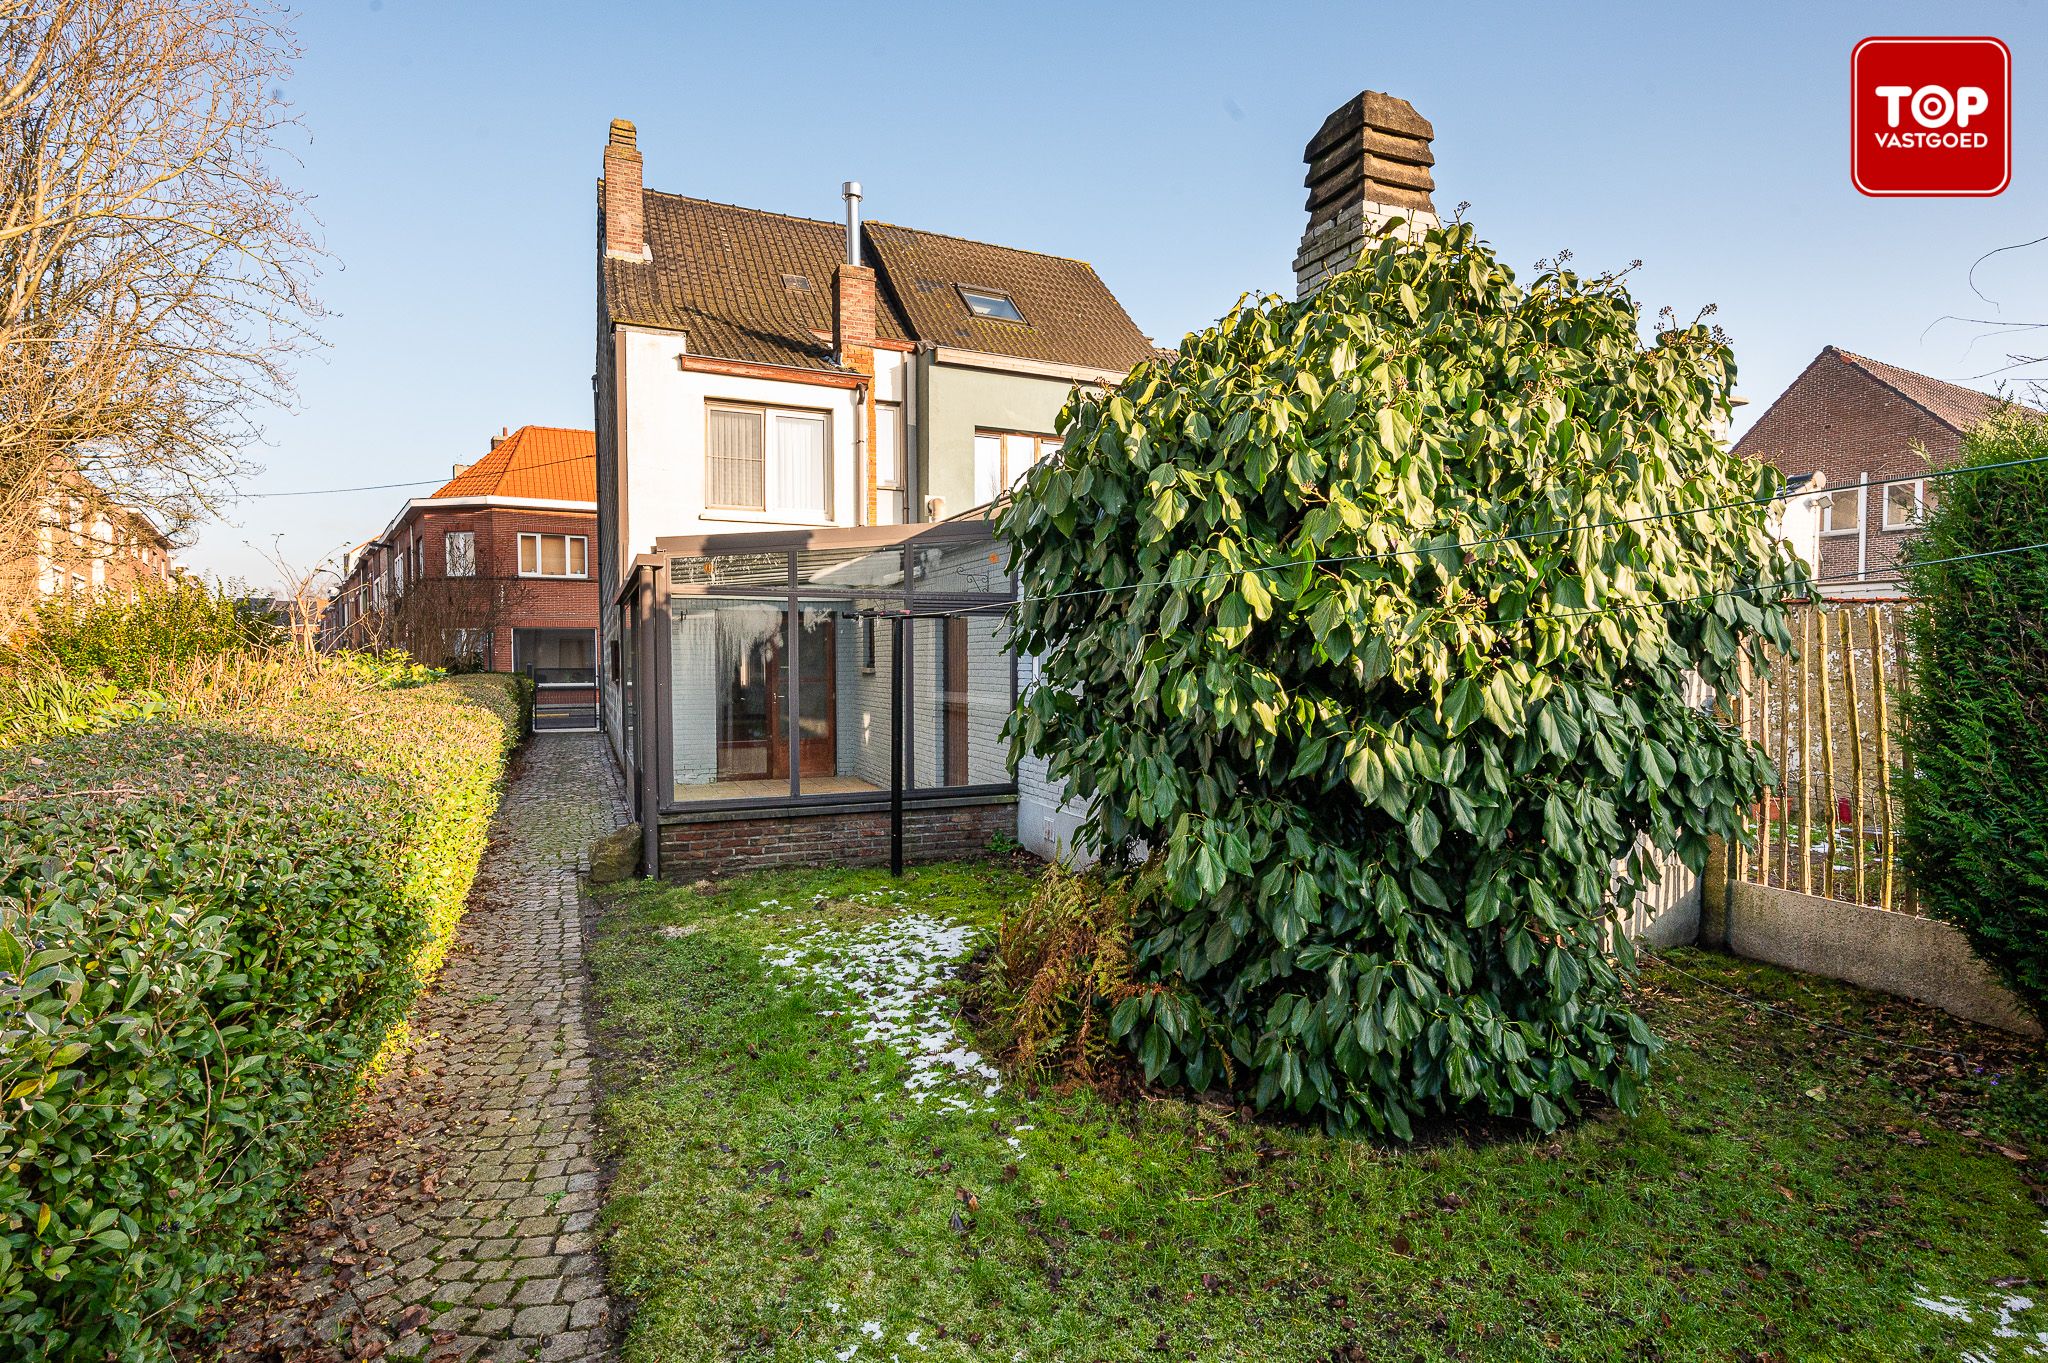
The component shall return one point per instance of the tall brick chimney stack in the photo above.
(1368, 162)
(625, 223)
(853, 334)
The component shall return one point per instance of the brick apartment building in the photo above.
(495, 570)
(1857, 421)
(81, 542)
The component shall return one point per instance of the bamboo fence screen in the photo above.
(1828, 714)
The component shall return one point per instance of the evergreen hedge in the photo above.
(1974, 789)
(1374, 619)
(210, 921)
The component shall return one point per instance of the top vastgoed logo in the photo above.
(1930, 116)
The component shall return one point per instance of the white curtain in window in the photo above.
(732, 459)
(988, 468)
(803, 483)
(461, 551)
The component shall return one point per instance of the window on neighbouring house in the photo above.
(767, 459)
(1001, 457)
(1842, 513)
(459, 548)
(553, 556)
(888, 463)
(1905, 504)
(990, 303)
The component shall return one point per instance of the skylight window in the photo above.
(991, 304)
(796, 283)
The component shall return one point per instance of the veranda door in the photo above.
(817, 725)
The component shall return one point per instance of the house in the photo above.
(1871, 431)
(492, 571)
(79, 540)
(797, 423)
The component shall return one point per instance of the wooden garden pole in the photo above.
(1805, 751)
(1855, 741)
(1763, 735)
(1785, 779)
(1884, 761)
(1738, 855)
(1827, 749)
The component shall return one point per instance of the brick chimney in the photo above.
(1368, 162)
(853, 334)
(625, 225)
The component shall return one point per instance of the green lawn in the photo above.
(1786, 1194)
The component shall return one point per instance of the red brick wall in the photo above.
(531, 602)
(1840, 420)
(724, 845)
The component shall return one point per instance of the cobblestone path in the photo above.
(454, 1221)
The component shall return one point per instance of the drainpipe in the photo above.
(1863, 528)
(862, 475)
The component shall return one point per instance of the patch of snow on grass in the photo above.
(892, 975)
(2001, 1312)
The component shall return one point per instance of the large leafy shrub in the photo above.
(121, 637)
(1327, 625)
(209, 922)
(1975, 784)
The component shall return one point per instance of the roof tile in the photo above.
(1962, 408)
(734, 280)
(534, 463)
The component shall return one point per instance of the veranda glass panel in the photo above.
(943, 574)
(960, 697)
(729, 673)
(843, 698)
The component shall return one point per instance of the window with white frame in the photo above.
(1001, 457)
(888, 463)
(1842, 512)
(1905, 504)
(772, 460)
(458, 548)
(553, 556)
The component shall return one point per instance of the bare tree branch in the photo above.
(154, 265)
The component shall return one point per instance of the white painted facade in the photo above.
(663, 406)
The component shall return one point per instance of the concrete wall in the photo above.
(955, 400)
(1894, 953)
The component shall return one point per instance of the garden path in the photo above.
(455, 1219)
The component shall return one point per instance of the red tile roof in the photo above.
(1963, 409)
(534, 463)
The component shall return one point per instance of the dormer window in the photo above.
(990, 303)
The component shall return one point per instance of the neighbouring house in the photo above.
(493, 571)
(798, 422)
(78, 540)
(1870, 431)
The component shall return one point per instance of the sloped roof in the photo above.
(745, 284)
(1963, 409)
(534, 463)
(718, 274)
(1070, 316)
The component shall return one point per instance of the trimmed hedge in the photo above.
(209, 924)
(1974, 789)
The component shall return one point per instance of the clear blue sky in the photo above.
(453, 151)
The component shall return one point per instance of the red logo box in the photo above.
(1930, 116)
